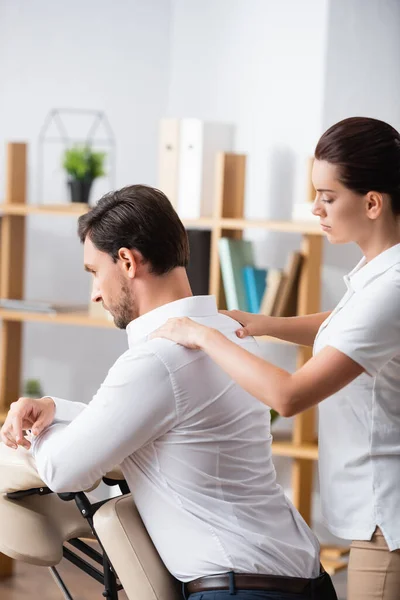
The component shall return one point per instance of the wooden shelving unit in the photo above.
(79, 318)
(228, 221)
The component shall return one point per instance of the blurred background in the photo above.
(280, 71)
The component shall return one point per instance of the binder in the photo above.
(287, 301)
(234, 255)
(271, 294)
(187, 163)
(168, 159)
(254, 282)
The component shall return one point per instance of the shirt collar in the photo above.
(194, 306)
(365, 272)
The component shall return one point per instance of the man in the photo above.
(195, 448)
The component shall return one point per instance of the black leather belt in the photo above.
(248, 581)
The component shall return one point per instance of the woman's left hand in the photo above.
(183, 331)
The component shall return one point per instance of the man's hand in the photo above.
(27, 413)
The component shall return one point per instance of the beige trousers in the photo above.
(374, 571)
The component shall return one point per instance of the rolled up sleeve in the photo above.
(134, 405)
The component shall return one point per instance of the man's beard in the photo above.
(125, 311)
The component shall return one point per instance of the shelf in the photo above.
(281, 226)
(79, 318)
(202, 223)
(274, 340)
(333, 566)
(75, 210)
(2, 417)
(306, 450)
(70, 210)
(334, 551)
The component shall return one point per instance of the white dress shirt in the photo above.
(359, 426)
(195, 450)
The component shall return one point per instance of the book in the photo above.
(272, 290)
(254, 283)
(234, 255)
(287, 300)
(39, 306)
(198, 269)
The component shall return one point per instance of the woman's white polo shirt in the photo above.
(359, 426)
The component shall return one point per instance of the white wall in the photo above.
(362, 66)
(100, 54)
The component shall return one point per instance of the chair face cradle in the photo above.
(77, 525)
(41, 527)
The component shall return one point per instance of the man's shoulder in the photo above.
(140, 361)
(176, 356)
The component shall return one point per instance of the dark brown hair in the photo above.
(138, 217)
(367, 154)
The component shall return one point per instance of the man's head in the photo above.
(132, 235)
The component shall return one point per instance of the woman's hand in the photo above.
(183, 331)
(252, 324)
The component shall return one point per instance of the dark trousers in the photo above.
(320, 588)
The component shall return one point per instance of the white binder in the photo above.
(168, 159)
(188, 149)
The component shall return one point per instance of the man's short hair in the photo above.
(142, 218)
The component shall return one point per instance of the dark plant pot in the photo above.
(80, 190)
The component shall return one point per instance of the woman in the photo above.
(355, 366)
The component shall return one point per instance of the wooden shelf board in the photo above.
(274, 340)
(80, 318)
(334, 551)
(333, 566)
(306, 450)
(202, 223)
(281, 226)
(70, 210)
(76, 210)
(2, 417)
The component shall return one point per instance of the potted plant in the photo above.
(274, 415)
(32, 389)
(83, 165)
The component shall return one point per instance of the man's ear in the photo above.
(129, 261)
(374, 204)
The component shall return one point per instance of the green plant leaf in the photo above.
(81, 162)
(33, 387)
(274, 415)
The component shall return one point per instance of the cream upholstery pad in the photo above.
(34, 528)
(132, 553)
(17, 470)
